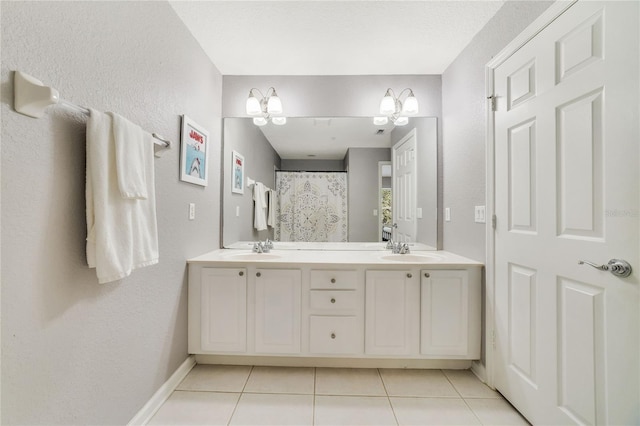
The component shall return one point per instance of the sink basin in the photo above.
(253, 256)
(412, 257)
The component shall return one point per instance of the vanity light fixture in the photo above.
(264, 107)
(393, 108)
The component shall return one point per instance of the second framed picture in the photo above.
(237, 173)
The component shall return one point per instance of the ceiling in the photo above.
(334, 37)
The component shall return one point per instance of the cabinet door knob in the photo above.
(333, 335)
(241, 273)
(409, 275)
(333, 280)
(333, 300)
(258, 274)
(426, 274)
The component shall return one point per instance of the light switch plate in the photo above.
(237, 211)
(375, 212)
(419, 212)
(447, 214)
(480, 214)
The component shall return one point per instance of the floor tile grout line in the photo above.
(451, 383)
(240, 396)
(313, 406)
(393, 411)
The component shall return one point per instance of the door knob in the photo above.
(618, 267)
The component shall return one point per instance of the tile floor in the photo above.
(244, 395)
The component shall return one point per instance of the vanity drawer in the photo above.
(334, 335)
(327, 279)
(333, 300)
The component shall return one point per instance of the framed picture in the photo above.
(194, 163)
(237, 173)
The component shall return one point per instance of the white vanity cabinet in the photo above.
(335, 308)
(391, 312)
(335, 312)
(223, 309)
(277, 311)
(450, 313)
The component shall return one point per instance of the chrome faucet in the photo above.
(398, 248)
(261, 247)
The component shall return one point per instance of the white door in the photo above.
(223, 310)
(278, 304)
(404, 188)
(390, 322)
(566, 155)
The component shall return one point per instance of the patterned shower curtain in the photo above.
(312, 206)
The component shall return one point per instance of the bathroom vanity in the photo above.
(331, 307)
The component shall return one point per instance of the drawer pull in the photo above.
(409, 275)
(333, 335)
(241, 273)
(333, 300)
(333, 280)
(426, 274)
(258, 274)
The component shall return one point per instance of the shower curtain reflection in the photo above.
(312, 206)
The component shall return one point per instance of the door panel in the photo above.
(567, 189)
(404, 188)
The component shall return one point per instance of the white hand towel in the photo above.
(260, 213)
(131, 157)
(122, 233)
(271, 218)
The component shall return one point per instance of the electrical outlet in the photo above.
(192, 211)
(419, 212)
(375, 212)
(480, 214)
(447, 214)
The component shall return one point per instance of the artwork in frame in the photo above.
(194, 163)
(237, 173)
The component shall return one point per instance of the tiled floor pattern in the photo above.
(244, 395)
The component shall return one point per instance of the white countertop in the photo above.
(335, 257)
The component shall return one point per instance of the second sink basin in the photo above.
(414, 258)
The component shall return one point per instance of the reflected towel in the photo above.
(122, 233)
(260, 214)
(271, 208)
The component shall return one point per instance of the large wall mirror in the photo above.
(332, 180)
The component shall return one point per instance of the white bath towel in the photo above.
(260, 210)
(131, 157)
(271, 208)
(122, 233)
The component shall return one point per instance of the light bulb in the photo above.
(380, 121)
(279, 121)
(253, 106)
(274, 105)
(387, 105)
(410, 106)
(400, 121)
(259, 121)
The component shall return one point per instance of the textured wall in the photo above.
(362, 164)
(313, 165)
(464, 126)
(241, 135)
(74, 351)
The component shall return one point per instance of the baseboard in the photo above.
(278, 361)
(479, 370)
(144, 415)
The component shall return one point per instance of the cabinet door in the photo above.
(223, 310)
(278, 303)
(444, 313)
(387, 313)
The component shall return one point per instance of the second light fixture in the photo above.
(265, 107)
(393, 108)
